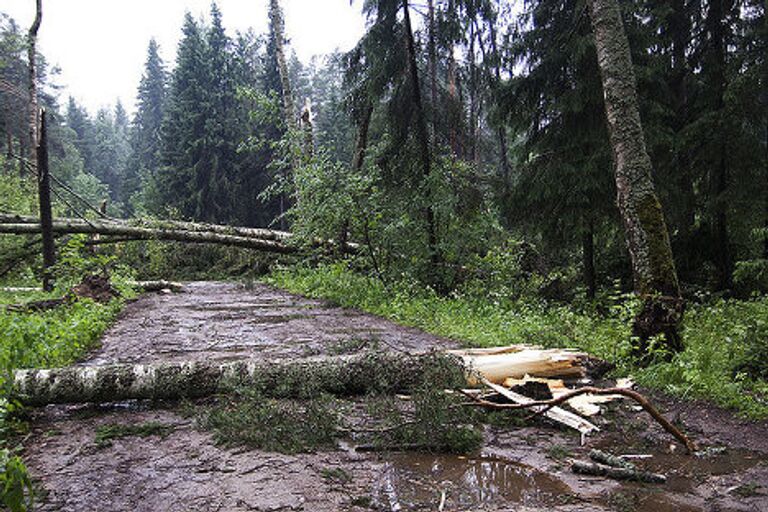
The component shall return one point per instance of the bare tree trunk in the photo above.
(456, 106)
(278, 33)
(44, 195)
(473, 100)
(646, 231)
(423, 138)
(307, 128)
(500, 131)
(32, 62)
(719, 178)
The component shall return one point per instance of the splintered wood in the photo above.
(501, 368)
(516, 361)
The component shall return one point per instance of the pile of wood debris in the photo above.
(543, 380)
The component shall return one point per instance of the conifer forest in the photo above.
(491, 255)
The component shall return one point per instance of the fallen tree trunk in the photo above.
(156, 286)
(141, 233)
(264, 234)
(342, 376)
(82, 226)
(594, 469)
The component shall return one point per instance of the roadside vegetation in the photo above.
(726, 340)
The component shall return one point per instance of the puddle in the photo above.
(418, 482)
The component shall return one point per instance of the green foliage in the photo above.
(751, 277)
(725, 341)
(105, 434)
(724, 360)
(178, 261)
(15, 483)
(53, 338)
(247, 418)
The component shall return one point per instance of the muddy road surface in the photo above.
(179, 467)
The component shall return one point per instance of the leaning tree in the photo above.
(646, 232)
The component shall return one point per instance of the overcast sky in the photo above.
(100, 45)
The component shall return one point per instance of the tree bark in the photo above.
(646, 231)
(44, 196)
(110, 383)
(252, 238)
(432, 50)
(715, 23)
(32, 70)
(278, 34)
(143, 233)
(264, 234)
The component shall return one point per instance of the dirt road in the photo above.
(518, 469)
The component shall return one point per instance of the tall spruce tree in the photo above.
(146, 128)
(199, 130)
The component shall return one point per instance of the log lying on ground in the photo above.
(343, 376)
(594, 469)
(156, 286)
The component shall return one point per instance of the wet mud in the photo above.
(521, 469)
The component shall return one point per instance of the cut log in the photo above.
(341, 376)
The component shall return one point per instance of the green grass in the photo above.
(105, 434)
(57, 337)
(721, 338)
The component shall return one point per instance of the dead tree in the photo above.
(46, 214)
(32, 61)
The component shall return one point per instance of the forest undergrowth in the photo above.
(723, 361)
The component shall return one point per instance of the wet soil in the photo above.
(522, 469)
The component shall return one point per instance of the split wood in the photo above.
(634, 395)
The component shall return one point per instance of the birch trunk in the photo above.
(144, 233)
(32, 70)
(110, 383)
(646, 231)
